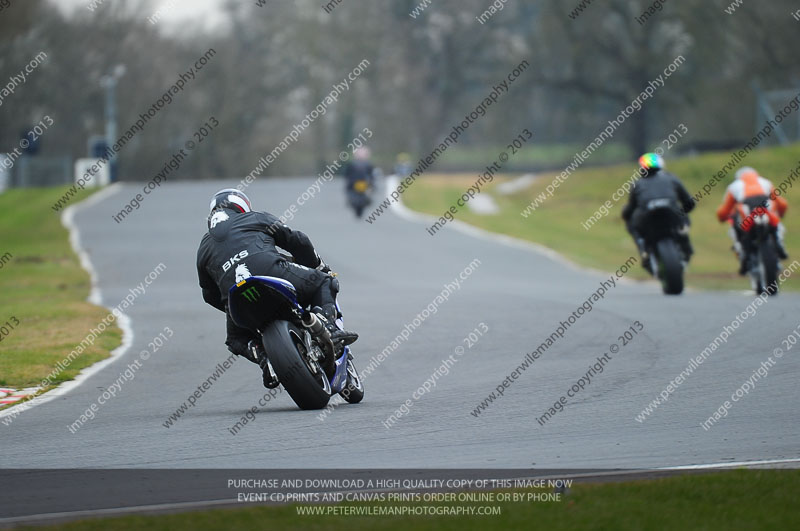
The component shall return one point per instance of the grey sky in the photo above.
(175, 13)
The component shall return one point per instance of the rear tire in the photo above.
(670, 267)
(285, 348)
(768, 262)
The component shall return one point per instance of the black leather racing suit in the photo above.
(658, 185)
(240, 245)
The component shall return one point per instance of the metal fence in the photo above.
(38, 171)
(768, 103)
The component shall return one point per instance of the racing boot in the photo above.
(779, 243)
(241, 347)
(268, 376)
(340, 338)
(685, 243)
(644, 255)
(742, 256)
(781, 251)
(686, 247)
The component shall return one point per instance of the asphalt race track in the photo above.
(390, 271)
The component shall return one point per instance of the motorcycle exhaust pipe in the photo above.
(315, 326)
(318, 329)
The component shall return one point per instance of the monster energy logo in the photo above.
(251, 294)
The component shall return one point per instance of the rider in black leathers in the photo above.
(241, 243)
(656, 183)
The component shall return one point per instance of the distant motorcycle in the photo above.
(666, 260)
(360, 197)
(761, 255)
(296, 342)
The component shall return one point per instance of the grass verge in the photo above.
(732, 500)
(536, 156)
(44, 287)
(557, 223)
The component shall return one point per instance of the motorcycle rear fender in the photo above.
(258, 300)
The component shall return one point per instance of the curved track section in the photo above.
(392, 272)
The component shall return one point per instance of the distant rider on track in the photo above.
(750, 193)
(656, 183)
(360, 176)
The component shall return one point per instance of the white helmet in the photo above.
(745, 171)
(362, 153)
(231, 198)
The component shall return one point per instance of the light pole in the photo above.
(109, 82)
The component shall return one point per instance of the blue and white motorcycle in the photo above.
(297, 344)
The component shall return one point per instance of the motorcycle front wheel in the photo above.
(353, 392)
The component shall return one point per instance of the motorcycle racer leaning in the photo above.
(241, 243)
(749, 194)
(656, 183)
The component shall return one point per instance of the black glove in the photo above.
(323, 266)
